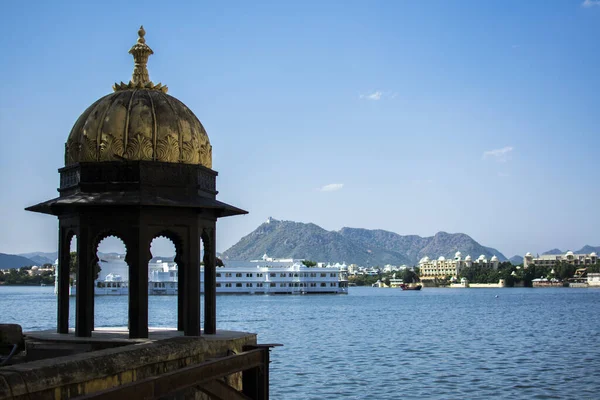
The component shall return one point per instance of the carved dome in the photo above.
(139, 121)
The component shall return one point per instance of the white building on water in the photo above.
(265, 276)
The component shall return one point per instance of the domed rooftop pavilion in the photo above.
(139, 121)
(138, 166)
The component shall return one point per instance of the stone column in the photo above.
(84, 309)
(63, 278)
(210, 280)
(192, 283)
(138, 256)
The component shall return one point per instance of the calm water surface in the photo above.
(389, 344)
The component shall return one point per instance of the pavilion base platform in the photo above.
(109, 365)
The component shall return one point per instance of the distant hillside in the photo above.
(553, 252)
(587, 249)
(516, 260)
(351, 245)
(298, 240)
(41, 258)
(12, 261)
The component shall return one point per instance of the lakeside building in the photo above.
(355, 270)
(593, 279)
(430, 270)
(549, 260)
(266, 276)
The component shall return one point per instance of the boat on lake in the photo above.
(405, 286)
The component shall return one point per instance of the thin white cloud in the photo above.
(378, 95)
(503, 174)
(332, 187)
(423, 181)
(590, 3)
(500, 155)
(372, 96)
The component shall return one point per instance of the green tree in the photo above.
(409, 276)
(594, 268)
(309, 263)
(363, 280)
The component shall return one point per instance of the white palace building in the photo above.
(442, 267)
(569, 257)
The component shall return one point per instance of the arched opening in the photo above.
(111, 283)
(73, 263)
(163, 276)
(202, 283)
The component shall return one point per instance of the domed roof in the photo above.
(468, 258)
(569, 253)
(442, 258)
(494, 258)
(424, 260)
(528, 254)
(139, 121)
(593, 254)
(458, 254)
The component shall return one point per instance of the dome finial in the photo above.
(140, 78)
(141, 34)
(140, 51)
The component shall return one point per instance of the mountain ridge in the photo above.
(353, 245)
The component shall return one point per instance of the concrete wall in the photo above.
(76, 375)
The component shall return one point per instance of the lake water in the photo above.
(389, 344)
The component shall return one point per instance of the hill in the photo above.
(41, 258)
(12, 261)
(516, 260)
(553, 252)
(351, 245)
(587, 249)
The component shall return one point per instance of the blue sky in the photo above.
(411, 116)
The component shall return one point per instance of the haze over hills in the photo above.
(284, 239)
(14, 261)
(351, 245)
(553, 252)
(516, 260)
(587, 249)
(41, 258)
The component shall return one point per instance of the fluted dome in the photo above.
(139, 121)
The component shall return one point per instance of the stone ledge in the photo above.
(75, 375)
